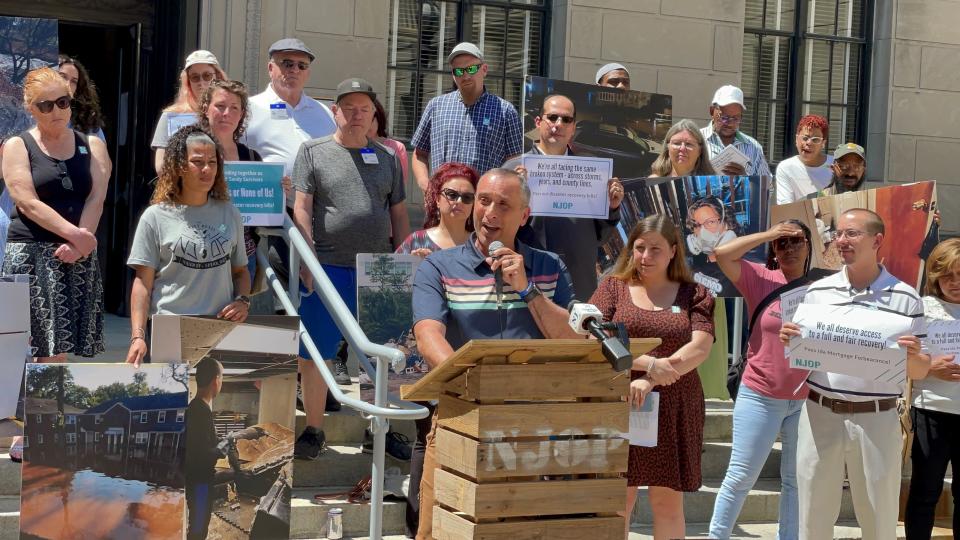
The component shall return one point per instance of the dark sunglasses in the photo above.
(288, 64)
(453, 195)
(62, 102)
(554, 118)
(788, 241)
(469, 70)
(64, 175)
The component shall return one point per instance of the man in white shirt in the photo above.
(848, 421)
(726, 114)
(282, 118)
(809, 172)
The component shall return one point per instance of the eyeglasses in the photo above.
(206, 76)
(724, 119)
(62, 102)
(554, 118)
(680, 145)
(852, 234)
(469, 70)
(453, 195)
(811, 140)
(712, 222)
(288, 64)
(789, 241)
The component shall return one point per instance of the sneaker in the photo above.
(340, 372)
(310, 444)
(398, 445)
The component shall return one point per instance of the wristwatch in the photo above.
(243, 298)
(530, 293)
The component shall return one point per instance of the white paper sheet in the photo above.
(643, 421)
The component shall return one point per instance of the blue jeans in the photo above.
(757, 419)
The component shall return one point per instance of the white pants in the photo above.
(869, 445)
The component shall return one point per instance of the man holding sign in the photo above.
(852, 420)
(574, 239)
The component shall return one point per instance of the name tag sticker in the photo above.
(83, 149)
(675, 309)
(278, 111)
(369, 156)
(486, 121)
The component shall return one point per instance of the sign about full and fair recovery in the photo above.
(568, 186)
(850, 340)
(256, 190)
(943, 337)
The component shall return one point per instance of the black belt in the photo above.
(840, 406)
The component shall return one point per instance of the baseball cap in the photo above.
(201, 57)
(465, 48)
(725, 95)
(355, 86)
(849, 148)
(612, 66)
(290, 44)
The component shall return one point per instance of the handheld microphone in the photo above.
(586, 319)
(498, 273)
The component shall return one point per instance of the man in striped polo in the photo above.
(455, 297)
(850, 421)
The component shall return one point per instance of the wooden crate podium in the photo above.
(529, 440)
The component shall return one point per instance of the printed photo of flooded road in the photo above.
(104, 452)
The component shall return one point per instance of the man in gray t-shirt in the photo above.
(349, 200)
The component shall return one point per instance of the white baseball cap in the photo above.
(725, 95)
(465, 48)
(612, 66)
(201, 57)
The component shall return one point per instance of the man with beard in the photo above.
(849, 169)
(573, 239)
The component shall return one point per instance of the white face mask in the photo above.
(706, 241)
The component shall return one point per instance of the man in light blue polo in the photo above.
(468, 125)
(455, 300)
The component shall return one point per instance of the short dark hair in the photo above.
(551, 96)
(381, 115)
(207, 370)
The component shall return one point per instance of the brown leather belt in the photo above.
(840, 406)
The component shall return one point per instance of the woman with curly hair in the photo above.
(188, 251)
(199, 70)
(87, 117)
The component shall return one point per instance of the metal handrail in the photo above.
(380, 412)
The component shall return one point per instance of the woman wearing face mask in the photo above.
(651, 292)
(711, 226)
(771, 394)
(683, 154)
(199, 70)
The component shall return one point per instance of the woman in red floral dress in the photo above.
(652, 293)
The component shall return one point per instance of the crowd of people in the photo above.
(345, 184)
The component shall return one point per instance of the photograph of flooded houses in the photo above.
(104, 451)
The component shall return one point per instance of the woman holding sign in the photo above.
(651, 291)
(188, 249)
(936, 402)
(771, 394)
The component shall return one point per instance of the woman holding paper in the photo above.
(651, 291)
(188, 249)
(199, 70)
(771, 394)
(936, 399)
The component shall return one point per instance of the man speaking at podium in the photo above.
(468, 292)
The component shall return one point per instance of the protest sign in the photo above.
(256, 190)
(644, 421)
(907, 211)
(850, 340)
(789, 301)
(943, 337)
(28, 44)
(708, 210)
(385, 314)
(568, 186)
(14, 339)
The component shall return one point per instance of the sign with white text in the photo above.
(256, 191)
(568, 186)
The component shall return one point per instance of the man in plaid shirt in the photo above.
(469, 125)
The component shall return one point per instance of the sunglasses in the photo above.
(788, 241)
(289, 64)
(62, 102)
(453, 195)
(64, 175)
(205, 77)
(469, 70)
(555, 118)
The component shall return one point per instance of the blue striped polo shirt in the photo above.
(456, 287)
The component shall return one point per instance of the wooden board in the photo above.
(537, 498)
(544, 382)
(491, 460)
(533, 419)
(454, 526)
(534, 351)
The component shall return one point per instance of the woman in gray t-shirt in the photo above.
(188, 251)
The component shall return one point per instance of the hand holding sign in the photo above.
(944, 367)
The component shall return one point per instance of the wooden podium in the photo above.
(529, 440)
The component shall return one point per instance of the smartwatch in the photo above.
(530, 293)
